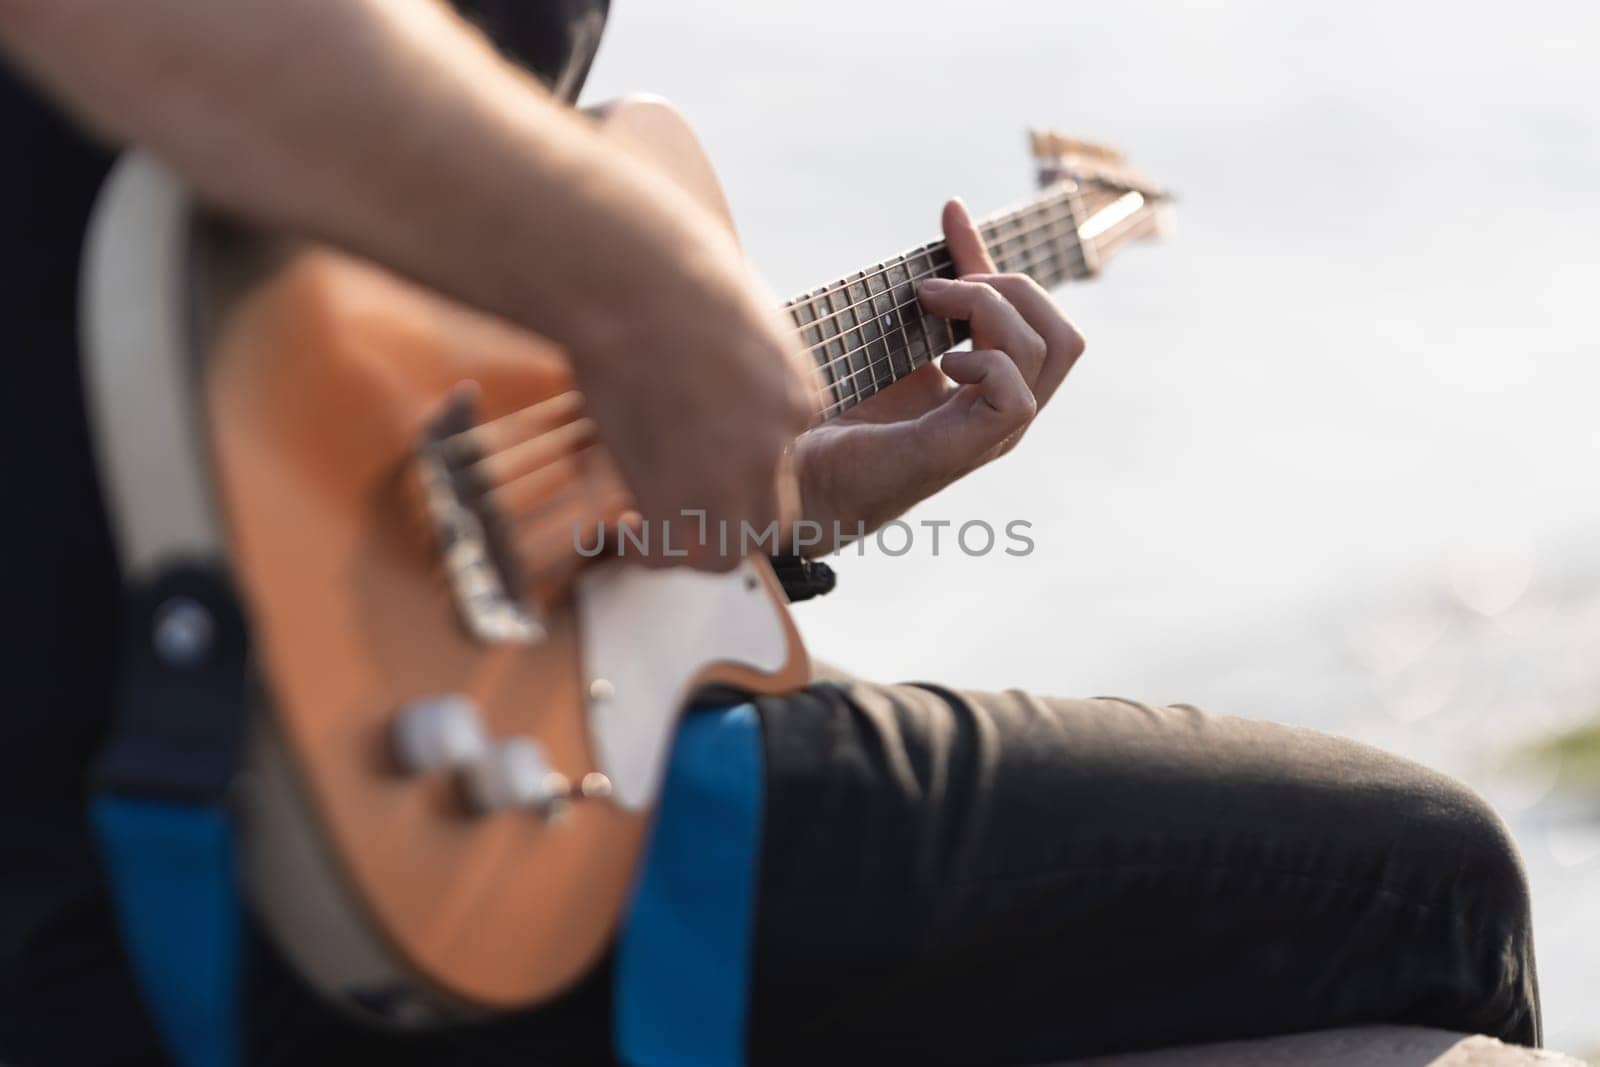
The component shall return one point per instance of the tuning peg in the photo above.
(437, 732)
(1049, 145)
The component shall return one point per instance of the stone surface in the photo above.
(1357, 1046)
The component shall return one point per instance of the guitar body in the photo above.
(463, 713)
(306, 391)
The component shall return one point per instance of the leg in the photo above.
(999, 878)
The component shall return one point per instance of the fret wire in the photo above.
(1026, 234)
(830, 333)
(916, 347)
(1036, 259)
(913, 302)
(875, 325)
(1023, 224)
(869, 362)
(936, 268)
(842, 333)
(1066, 223)
(838, 338)
(899, 276)
(1030, 247)
(812, 346)
(1058, 252)
(845, 404)
(927, 253)
(1059, 196)
(938, 245)
(859, 294)
(1003, 256)
(909, 349)
(922, 318)
(883, 321)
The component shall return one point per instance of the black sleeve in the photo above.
(555, 39)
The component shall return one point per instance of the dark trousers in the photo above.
(953, 878)
(997, 878)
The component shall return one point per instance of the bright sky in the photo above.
(1360, 384)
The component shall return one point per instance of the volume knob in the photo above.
(514, 774)
(434, 733)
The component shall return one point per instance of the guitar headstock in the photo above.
(1120, 203)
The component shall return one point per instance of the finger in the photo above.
(964, 240)
(991, 406)
(966, 245)
(995, 322)
(1063, 342)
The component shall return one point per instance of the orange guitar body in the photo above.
(321, 376)
(462, 719)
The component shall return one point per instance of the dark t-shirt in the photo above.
(64, 992)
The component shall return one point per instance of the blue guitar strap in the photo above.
(161, 816)
(159, 809)
(683, 961)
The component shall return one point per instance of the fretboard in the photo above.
(867, 330)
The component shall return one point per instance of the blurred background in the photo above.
(1333, 455)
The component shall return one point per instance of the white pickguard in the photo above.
(645, 635)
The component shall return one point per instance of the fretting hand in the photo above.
(942, 421)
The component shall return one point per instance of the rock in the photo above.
(1356, 1046)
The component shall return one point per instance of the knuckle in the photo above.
(1027, 409)
(1035, 348)
(1019, 411)
(990, 304)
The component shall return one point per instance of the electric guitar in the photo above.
(461, 725)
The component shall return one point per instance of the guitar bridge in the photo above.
(477, 562)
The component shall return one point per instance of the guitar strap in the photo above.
(159, 810)
(162, 820)
(683, 961)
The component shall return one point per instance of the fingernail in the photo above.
(935, 285)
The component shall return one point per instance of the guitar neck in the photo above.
(867, 330)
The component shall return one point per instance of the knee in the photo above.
(1466, 865)
(1469, 851)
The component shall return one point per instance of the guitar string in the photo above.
(936, 268)
(842, 336)
(1046, 202)
(932, 249)
(525, 517)
(843, 402)
(935, 247)
(884, 338)
(809, 352)
(938, 260)
(1030, 228)
(834, 407)
(530, 514)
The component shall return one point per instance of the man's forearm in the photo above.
(386, 126)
